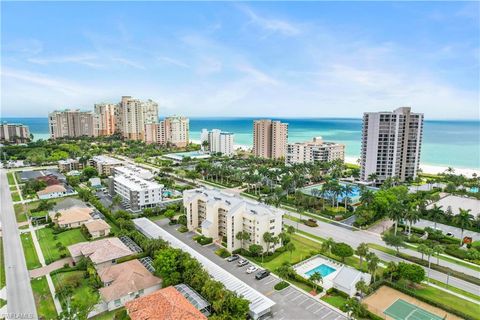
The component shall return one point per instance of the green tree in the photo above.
(342, 250)
(290, 230)
(463, 220)
(362, 251)
(166, 266)
(89, 172)
(362, 287)
(290, 247)
(422, 248)
(411, 272)
(316, 278)
(393, 240)
(256, 250)
(372, 264)
(436, 213)
(242, 236)
(170, 214)
(285, 271)
(268, 238)
(438, 250)
(327, 245)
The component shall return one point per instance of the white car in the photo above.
(251, 269)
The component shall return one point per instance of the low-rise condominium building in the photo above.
(137, 193)
(222, 216)
(105, 164)
(314, 151)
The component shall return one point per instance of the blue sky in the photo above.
(289, 59)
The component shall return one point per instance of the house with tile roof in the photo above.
(103, 253)
(53, 191)
(124, 282)
(165, 304)
(71, 218)
(97, 228)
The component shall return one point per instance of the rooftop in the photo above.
(96, 225)
(100, 251)
(72, 215)
(51, 189)
(136, 183)
(106, 160)
(136, 171)
(125, 278)
(455, 203)
(164, 304)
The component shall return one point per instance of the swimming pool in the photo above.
(323, 269)
(190, 154)
(354, 194)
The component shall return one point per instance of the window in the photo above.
(117, 303)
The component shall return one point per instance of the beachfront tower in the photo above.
(270, 139)
(391, 144)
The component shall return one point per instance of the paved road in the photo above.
(457, 232)
(20, 302)
(326, 230)
(291, 303)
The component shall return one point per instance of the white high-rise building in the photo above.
(270, 139)
(314, 151)
(72, 124)
(174, 130)
(391, 144)
(137, 193)
(218, 141)
(222, 216)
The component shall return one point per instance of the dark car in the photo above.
(262, 274)
(242, 262)
(233, 258)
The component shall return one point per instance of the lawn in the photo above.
(109, 315)
(303, 248)
(43, 299)
(29, 251)
(445, 298)
(335, 300)
(15, 196)
(10, 178)
(20, 212)
(48, 243)
(75, 279)
(2, 266)
(156, 218)
(455, 289)
(2, 303)
(39, 214)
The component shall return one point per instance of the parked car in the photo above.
(233, 258)
(251, 269)
(242, 262)
(262, 274)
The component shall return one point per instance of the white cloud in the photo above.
(172, 61)
(82, 59)
(271, 24)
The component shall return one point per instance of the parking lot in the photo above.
(291, 303)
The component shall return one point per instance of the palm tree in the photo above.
(372, 264)
(396, 213)
(463, 220)
(373, 177)
(316, 278)
(290, 247)
(438, 250)
(422, 249)
(435, 213)
(346, 190)
(412, 215)
(268, 238)
(429, 252)
(362, 251)
(285, 271)
(327, 245)
(366, 196)
(242, 235)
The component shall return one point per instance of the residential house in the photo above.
(124, 282)
(97, 228)
(53, 191)
(71, 218)
(103, 253)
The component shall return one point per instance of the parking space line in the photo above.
(314, 303)
(326, 314)
(299, 296)
(304, 301)
(270, 281)
(291, 291)
(321, 308)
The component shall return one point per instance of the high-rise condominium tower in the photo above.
(106, 113)
(391, 144)
(173, 130)
(314, 151)
(270, 139)
(72, 123)
(133, 115)
(218, 141)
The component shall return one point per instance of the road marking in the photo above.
(321, 308)
(270, 281)
(326, 314)
(304, 301)
(291, 291)
(314, 303)
(299, 296)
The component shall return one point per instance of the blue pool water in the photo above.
(323, 269)
(474, 189)
(190, 154)
(354, 195)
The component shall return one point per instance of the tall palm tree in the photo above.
(316, 278)
(346, 191)
(438, 250)
(463, 220)
(362, 251)
(412, 215)
(372, 264)
(373, 177)
(435, 213)
(327, 245)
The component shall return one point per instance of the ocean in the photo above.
(445, 143)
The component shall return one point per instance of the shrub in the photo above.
(182, 229)
(281, 285)
(310, 223)
(223, 253)
(203, 240)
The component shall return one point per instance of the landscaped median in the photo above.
(29, 250)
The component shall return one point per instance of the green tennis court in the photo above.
(403, 310)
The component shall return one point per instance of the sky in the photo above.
(215, 59)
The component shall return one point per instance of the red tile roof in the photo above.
(164, 304)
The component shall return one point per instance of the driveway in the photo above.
(291, 303)
(19, 291)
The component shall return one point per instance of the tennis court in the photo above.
(403, 310)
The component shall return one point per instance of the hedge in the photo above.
(281, 285)
(203, 240)
(223, 253)
(412, 293)
(446, 270)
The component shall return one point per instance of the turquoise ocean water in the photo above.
(445, 143)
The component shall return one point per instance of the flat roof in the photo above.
(105, 160)
(259, 303)
(136, 183)
(455, 203)
(135, 170)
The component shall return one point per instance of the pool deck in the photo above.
(305, 266)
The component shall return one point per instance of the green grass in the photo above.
(156, 218)
(10, 178)
(334, 300)
(15, 196)
(448, 299)
(49, 244)
(2, 303)
(29, 251)
(20, 212)
(2, 265)
(43, 299)
(455, 289)
(76, 279)
(13, 188)
(39, 214)
(109, 315)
